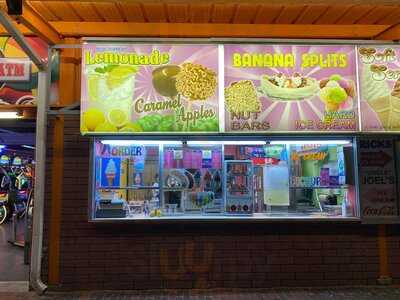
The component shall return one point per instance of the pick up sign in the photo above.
(378, 180)
(14, 69)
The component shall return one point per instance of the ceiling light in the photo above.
(316, 142)
(9, 115)
(248, 143)
(138, 143)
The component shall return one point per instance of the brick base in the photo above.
(203, 255)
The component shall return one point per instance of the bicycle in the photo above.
(4, 210)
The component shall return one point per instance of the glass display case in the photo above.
(217, 179)
(192, 179)
(126, 180)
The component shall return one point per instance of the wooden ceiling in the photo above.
(358, 19)
(239, 12)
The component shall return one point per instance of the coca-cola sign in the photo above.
(378, 180)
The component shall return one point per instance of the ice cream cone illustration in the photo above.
(387, 109)
(372, 89)
(396, 89)
(110, 179)
(383, 101)
(110, 172)
(331, 106)
(335, 91)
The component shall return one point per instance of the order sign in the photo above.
(149, 88)
(378, 179)
(290, 88)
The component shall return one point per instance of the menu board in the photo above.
(378, 192)
(149, 88)
(379, 69)
(290, 88)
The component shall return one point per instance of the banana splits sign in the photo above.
(380, 87)
(290, 88)
(149, 88)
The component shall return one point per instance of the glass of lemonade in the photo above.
(111, 90)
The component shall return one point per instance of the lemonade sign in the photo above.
(149, 88)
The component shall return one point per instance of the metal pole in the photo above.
(8, 24)
(40, 181)
(40, 155)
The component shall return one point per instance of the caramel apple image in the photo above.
(164, 80)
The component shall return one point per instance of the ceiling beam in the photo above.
(126, 29)
(19, 37)
(255, 2)
(37, 24)
(392, 33)
(23, 29)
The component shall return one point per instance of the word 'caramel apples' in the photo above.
(164, 80)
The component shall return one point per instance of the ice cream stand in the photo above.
(274, 120)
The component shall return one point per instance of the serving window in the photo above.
(251, 179)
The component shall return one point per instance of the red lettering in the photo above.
(19, 70)
(383, 211)
(9, 68)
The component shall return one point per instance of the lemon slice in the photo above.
(123, 71)
(118, 75)
(106, 127)
(132, 127)
(117, 117)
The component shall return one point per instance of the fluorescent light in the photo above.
(323, 142)
(199, 143)
(2, 146)
(138, 143)
(9, 115)
(244, 142)
(28, 147)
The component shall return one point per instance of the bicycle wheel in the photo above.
(3, 213)
(29, 205)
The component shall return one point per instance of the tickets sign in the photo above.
(149, 88)
(290, 88)
(378, 191)
(379, 87)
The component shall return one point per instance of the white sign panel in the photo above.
(14, 69)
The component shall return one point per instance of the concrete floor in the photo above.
(12, 267)
(370, 293)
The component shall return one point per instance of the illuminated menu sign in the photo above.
(149, 88)
(290, 88)
(379, 87)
